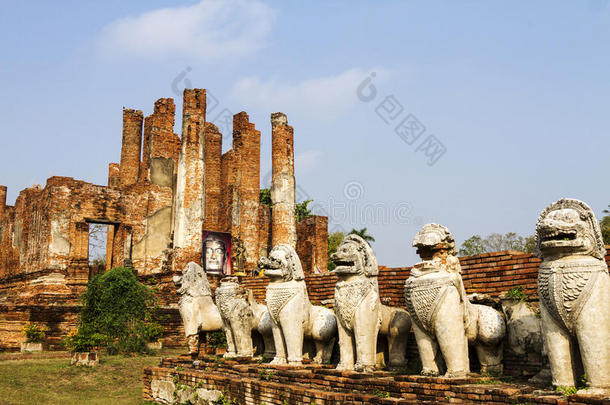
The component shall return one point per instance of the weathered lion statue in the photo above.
(242, 315)
(574, 289)
(197, 309)
(443, 318)
(360, 312)
(294, 318)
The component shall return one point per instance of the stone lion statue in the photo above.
(443, 318)
(293, 316)
(574, 289)
(241, 316)
(360, 312)
(197, 309)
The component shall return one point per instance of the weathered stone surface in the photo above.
(282, 183)
(359, 310)
(444, 320)
(199, 314)
(574, 289)
(291, 311)
(241, 315)
(90, 359)
(32, 347)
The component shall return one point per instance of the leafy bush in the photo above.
(118, 312)
(516, 293)
(84, 339)
(34, 333)
(217, 339)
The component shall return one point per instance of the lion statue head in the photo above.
(193, 282)
(354, 256)
(432, 239)
(569, 227)
(282, 264)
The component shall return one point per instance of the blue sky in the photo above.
(518, 94)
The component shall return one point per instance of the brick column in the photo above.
(145, 164)
(188, 205)
(114, 177)
(282, 183)
(2, 201)
(212, 151)
(246, 146)
(131, 146)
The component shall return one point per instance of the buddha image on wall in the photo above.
(217, 253)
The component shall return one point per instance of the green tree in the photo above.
(120, 308)
(334, 239)
(472, 246)
(302, 211)
(496, 242)
(605, 226)
(264, 196)
(363, 234)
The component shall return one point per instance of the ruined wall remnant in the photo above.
(131, 146)
(283, 183)
(212, 149)
(188, 201)
(312, 244)
(246, 186)
(166, 190)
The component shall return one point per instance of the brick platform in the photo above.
(249, 382)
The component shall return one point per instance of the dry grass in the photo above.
(44, 380)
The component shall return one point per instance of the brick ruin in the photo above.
(166, 190)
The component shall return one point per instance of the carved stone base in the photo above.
(90, 359)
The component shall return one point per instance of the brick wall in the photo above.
(131, 146)
(312, 244)
(283, 193)
(252, 383)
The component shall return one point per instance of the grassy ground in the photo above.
(44, 380)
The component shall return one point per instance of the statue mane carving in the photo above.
(193, 282)
(552, 226)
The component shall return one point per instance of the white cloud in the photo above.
(322, 98)
(307, 160)
(208, 30)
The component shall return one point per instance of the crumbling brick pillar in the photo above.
(312, 244)
(246, 146)
(188, 201)
(282, 183)
(145, 164)
(79, 252)
(2, 201)
(114, 177)
(212, 151)
(132, 144)
(227, 183)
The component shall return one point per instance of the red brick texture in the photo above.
(282, 182)
(131, 146)
(312, 244)
(253, 384)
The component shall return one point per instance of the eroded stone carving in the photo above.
(574, 289)
(360, 312)
(291, 311)
(197, 309)
(241, 315)
(444, 321)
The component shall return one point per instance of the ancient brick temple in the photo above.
(166, 190)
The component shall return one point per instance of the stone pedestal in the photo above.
(85, 358)
(158, 345)
(32, 347)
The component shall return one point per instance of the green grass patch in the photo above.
(116, 380)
